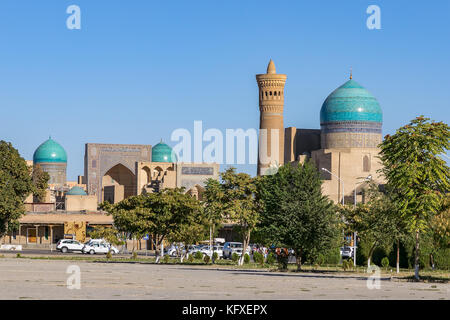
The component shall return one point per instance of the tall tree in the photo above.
(416, 173)
(296, 214)
(213, 205)
(15, 186)
(376, 220)
(159, 214)
(40, 183)
(240, 204)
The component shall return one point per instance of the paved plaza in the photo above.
(47, 279)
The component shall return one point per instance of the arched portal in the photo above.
(118, 183)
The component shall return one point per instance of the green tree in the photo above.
(440, 229)
(213, 198)
(416, 174)
(110, 234)
(296, 214)
(376, 221)
(239, 203)
(15, 186)
(192, 230)
(40, 183)
(159, 214)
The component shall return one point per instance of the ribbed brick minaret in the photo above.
(271, 103)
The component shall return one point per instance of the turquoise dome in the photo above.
(76, 191)
(49, 151)
(163, 153)
(350, 102)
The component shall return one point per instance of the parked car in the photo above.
(346, 252)
(216, 248)
(68, 245)
(173, 250)
(193, 249)
(231, 247)
(102, 247)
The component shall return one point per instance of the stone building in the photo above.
(344, 149)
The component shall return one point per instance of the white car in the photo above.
(216, 248)
(68, 245)
(231, 247)
(103, 247)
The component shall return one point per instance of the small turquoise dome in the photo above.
(76, 191)
(163, 153)
(49, 151)
(350, 102)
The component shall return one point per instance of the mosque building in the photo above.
(344, 149)
(113, 172)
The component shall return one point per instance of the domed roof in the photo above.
(350, 102)
(76, 191)
(49, 151)
(163, 153)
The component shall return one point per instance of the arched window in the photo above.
(366, 163)
(274, 93)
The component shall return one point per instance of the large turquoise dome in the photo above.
(163, 153)
(50, 151)
(350, 102)
(350, 118)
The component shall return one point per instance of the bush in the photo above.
(206, 258)
(134, 255)
(258, 257)
(331, 256)
(345, 265)
(246, 258)
(282, 261)
(442, 259)
(109, 255)
(198, 255)
(235, 257)
(191, 258)
(18, 255)
(271, 258)
(166, 258)
(385, 262)
(215, 256)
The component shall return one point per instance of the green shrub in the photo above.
(198, 255)
(246, 258)
(206, 258)
(258, 257)
(235, 257)
(271, 258)
(18, 255)
(442, 259)
(109, 255)
(191, 258)
(215, 256)
(345, 265)
(282, 261)
(134, 255)
(166, 258)
(385, 262)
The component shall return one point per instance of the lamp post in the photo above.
(343, 192)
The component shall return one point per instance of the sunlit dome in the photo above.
(50, 151)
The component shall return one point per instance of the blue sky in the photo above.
(137, 70)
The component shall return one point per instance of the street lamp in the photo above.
(343, 192)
